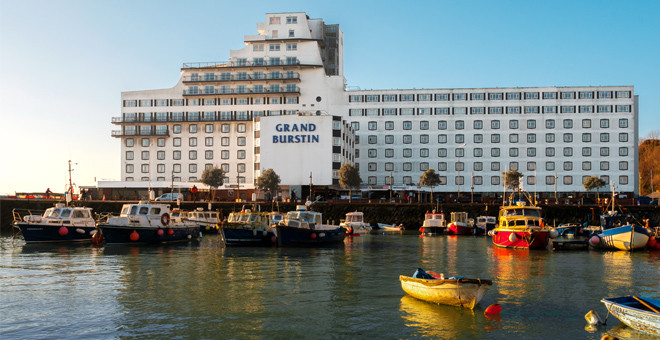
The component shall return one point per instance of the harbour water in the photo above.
(202, 290)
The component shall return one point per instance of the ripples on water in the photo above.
(203, 290)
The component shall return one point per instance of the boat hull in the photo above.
(434, 230)
(148, 235)
(247, 237)
(627, 237)
(303, 237)
(459, 229)
(634, 314)
(38, 233)
(537, 239)
(455, 292)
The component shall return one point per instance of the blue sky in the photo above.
(64, 64)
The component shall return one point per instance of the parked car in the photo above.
(168, 197)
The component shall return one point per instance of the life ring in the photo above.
(165, 219)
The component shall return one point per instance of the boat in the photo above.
(60, 223)
(454, 291)
(248, 228)
(571, 230)
(434, 224)
(520, 226)
(485, 224)
(274, 218)
(206, 220)
(355, 224)
(459, 224)
(642, 314)
(146, 222)
(390, 227)
(305, 228)
(619, 232)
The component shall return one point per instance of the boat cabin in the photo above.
(61, 214)
(143, 214)
(460, 217)
(355, 217)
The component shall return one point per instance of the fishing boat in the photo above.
(355, 224)
(146, 222)
(485, 224)
(619, 232)
(206, 220)
(60, 223)
(454, 291)
(434, 224)
(274, 218)
(305, 228)
(642, 314)
(459, 224)
(248, 228)
(520, 226)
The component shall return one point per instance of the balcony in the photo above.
(153, 131)
(244, 63)
(236, 77)
(237, 91)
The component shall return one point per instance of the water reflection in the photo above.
(437, 321)
(518, 273)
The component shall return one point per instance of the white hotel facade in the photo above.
(255, 111)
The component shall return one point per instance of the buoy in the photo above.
(63, 231)
(104, 197)
(593, 318)
(160, 232)
(134, 236)
(421, 229)
(512, 237)
(313, 236)
(97, 238)
(594, 240)
(493, 309)
(608, 337)
(323, 235)
(554, 233)
(652, 242)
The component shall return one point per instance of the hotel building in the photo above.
(282, 102)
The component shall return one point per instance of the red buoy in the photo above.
(134, 236)
(313, 236)
(170, 232)
(160, 232)
(63, 231)
(493, 309)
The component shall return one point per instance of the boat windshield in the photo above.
(435, 216)
(522, 212)
(353, 218)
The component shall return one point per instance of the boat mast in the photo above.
(70, 182)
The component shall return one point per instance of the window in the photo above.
(550, 166)
(477, 110)
(568, 137)
(586, 137)
(531, 124)
(240, 141)
(623, 123)
(460, 152)
(442, 139)
(604, 165)
(407, 97)
(495, 180)
(407, 166)
(160, 155)
(495, 96)
(144, 168)
(407, 125)
(442, 97)
(442, 152)
(568, 152)
(623, 151)
(550, 124)
(389, 166)
(495, 110)
(495, 124)
(604, 151)
(192, 154)
(372, 166)
(586, 165)
(531, 166)
(407, 153)
(623, 179)
(549, 109)
(586, 123)
(513, 124)
(513, 138)
(531, 152)
(495, 138)
(192, 141)
(478, 152)
(531, 109)
(442, 125)
(460, 96)
(604, 137)
(224, 154)
(623, 165)
(478, 166)
(292, 47)
(389, 139)
(373, 139)
(604, 123)
(424, 139)
(531, 138)
(129, 168)
(442, 166)
(129, 155)
(495, 166)
(513, 152)
(550, 152)
(531, 95)
(240, 167)
(495, 152)
(513, 96)
(145, 155)
(176, 155)
(478, 138)
(176, 141)
(389, 125)
(549, 137)
(567, 109)
(424, 125)
(145, 142)
(372, 153)
(623, 108)
(389, 97)
(441, 110)
(586, 152)
(460, 138)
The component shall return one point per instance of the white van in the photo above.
(168, 197)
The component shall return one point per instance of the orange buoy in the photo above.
(134, 236)
(63, 231)
(493, 309)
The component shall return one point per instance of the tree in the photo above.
(511, 179)
(349, 177)
(649, 160)
(213, 177)
(594, 182)
(429, 179)
(269, 181)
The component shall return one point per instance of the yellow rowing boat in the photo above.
(456, 292)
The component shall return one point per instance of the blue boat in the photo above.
(303, 228)
(642, 314)
(57, 224)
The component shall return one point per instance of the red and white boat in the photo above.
(459, 224)
(521, 226)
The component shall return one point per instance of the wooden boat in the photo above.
(619, 232)
(247, 228)
(453, 291)
(434, 224)
(147, 222)
(355, 224)
(520, 226)
(642, 314)
(57, 224)
(303, 228)
(459, 224)
(485, 224)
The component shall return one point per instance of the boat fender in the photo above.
(134, 236)
(273, 239)
(554, 233)
(93, 232)
(63, 231)
(594, 240)
(652, 242)
(97, 237)
(165, 219)
(593, 318)
(189, 236)
(512, 237)
(160, 232)
(321, 234)
(264, 233)
(170, 232)
(312, 236)
(493, 309)
(254, 232)
(421, 229)
(80, 231)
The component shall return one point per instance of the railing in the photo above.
(236, 91)
(241, 63)
(235, 77)
(152, 132)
